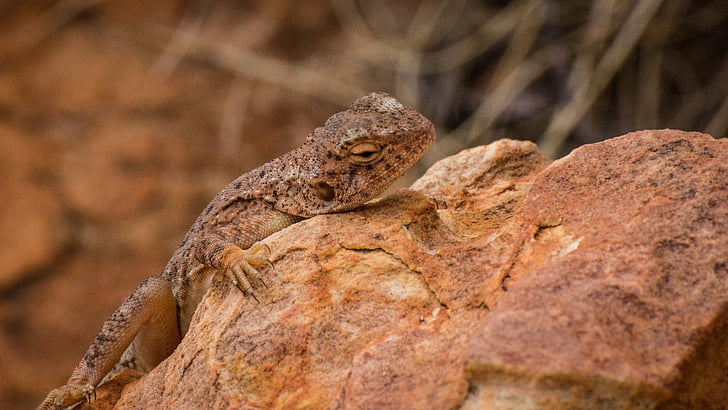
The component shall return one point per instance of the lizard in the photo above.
(348, 161)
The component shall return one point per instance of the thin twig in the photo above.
(566, 118)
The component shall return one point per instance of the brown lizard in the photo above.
(350, 160)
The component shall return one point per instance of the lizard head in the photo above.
(355, 156)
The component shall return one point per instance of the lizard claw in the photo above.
(238, 265)
(68, 395)
(261, 259)
(237, 275)
(258, 254)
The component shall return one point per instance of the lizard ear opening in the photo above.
(365, 153)
(324, 190)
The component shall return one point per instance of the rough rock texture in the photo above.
(597, 281)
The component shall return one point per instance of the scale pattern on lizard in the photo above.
(355, 156)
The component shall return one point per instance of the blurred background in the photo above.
(120, 120)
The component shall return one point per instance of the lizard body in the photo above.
(351, 159)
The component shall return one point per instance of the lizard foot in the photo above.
(68, 395)
(239, 265)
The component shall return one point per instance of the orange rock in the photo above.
(32, 228)
(618, 297)
(599, 280)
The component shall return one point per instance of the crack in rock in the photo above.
(401, 261)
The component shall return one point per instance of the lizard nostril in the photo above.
(324, 190)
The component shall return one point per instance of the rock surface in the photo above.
(501, 280)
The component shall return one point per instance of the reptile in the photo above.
(348, 161)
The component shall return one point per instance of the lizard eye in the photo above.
(365, 153)
(324, 190)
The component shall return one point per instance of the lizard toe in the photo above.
(258, 255)
(68, 395)
(238, 278)
(238, 266)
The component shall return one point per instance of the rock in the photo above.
(619, 295)
(107, 397)
(108, 179)
(32, 227)
(500, 281)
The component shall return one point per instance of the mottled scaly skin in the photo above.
(355, 156)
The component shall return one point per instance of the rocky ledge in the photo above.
(501, 279)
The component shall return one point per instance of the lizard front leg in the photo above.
(233, 249)
(148, 316)
(239, 263)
